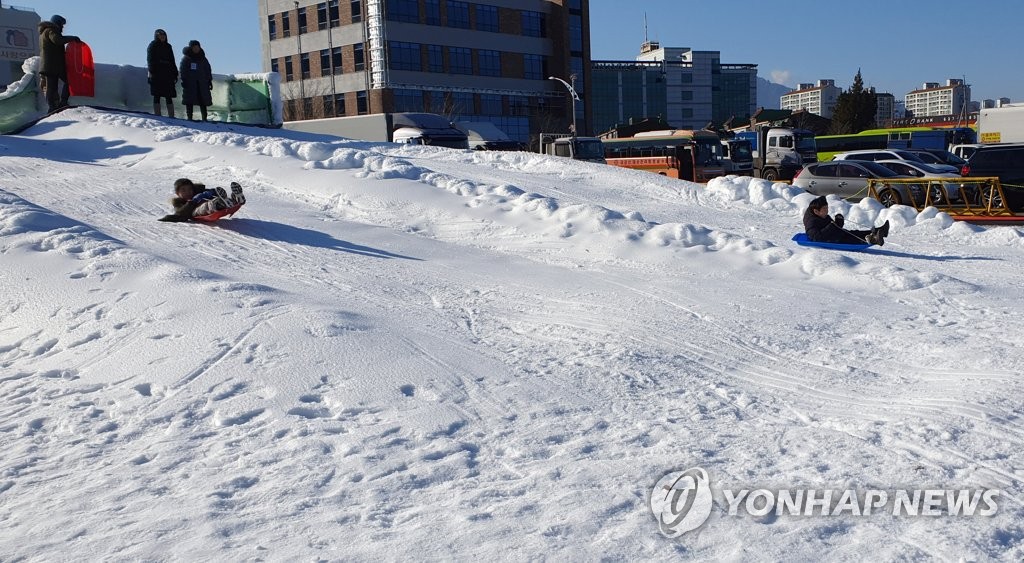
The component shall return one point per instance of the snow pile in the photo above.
(398, 351)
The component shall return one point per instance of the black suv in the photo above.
(1005, 161)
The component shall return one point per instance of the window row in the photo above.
(319, 107)
(339, 60)
(328, 14)
(467, 15)
(462, 60)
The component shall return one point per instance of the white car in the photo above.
(888, 154)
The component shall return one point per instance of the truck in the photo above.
(589, 149)
(737, 157)
(409, 128)
(485, 136)
(1004, 124)
(780, 152)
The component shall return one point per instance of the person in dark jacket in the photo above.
(194, 200)
(52, 67)
(196, 79)
(163, 72)
(822, 228)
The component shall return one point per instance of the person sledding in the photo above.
(195, 201)
(822, 228)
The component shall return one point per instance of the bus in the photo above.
(897, 138)
(677, 153)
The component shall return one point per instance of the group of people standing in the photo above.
(164, 73)
(194, 72)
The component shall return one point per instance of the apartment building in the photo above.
(819, 99)
(885, 108)
(686, 88)
(485, 60)
(933, 99)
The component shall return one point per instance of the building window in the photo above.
(321, 17)
(575, 34)
(486, 18)
(274, 66)
(686, 78)
(404, 11)
(404, 56)
(533, 24)
(433, 12)
(304, 64)
(460, 60)
(302, 20)
(325, 62)
(288, 73)
(339, 104)
(462, 103)
(336, 60)
(489, 63)
(286, 24)
(533, 67)
(408, 100)
(272, 27)
(357, 57)
(686, 95)
(362, 104)
(356, 7)
(518, 105)
(435, 58)
(458, 14)
(490, 104)
(328, 105)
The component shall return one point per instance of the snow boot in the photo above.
(222, 198)
(170, 109)
(156, 108)
(884, 229)
(236, 194)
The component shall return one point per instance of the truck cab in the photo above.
(781, 152)
(589, 149)
(738, 157)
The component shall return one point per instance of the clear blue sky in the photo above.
(897, 44)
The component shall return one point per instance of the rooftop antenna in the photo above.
(648, 45)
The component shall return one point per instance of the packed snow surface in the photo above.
(398, 352)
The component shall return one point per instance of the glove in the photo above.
(839, 220)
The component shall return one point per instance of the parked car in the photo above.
(886, 154)
(946, 192)
(938, 156)
(849, 179)
(965, 151)
(1005, 161)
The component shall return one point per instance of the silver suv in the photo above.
(889, 154)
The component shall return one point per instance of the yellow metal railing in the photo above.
(970, 197)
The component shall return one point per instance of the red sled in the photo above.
(219, 214)
(81, 71)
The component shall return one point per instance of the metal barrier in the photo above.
(965, 199)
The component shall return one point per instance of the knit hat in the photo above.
(58, 20)
(194, 43)
(818, 202)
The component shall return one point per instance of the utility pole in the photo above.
(575, 97)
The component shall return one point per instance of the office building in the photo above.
(486, 60)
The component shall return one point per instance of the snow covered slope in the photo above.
(400, 352)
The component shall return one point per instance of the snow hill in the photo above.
(397, 352)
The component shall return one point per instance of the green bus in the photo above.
(895, 138)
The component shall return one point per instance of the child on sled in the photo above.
(195, 200)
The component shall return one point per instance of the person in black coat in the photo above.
(52, 67)
(163, 72)
(196, 79)
(822, 228)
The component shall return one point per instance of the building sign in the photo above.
(994, 137)
(936, 120)
(16, 43)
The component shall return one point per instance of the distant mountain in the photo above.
(768, 93)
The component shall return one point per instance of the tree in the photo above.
(855, 109)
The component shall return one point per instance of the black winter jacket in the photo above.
(822, 229)
(163, 72)
(196, 79)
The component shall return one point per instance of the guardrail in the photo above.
(962, 198)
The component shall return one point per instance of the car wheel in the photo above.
(771, 175)
(990, 198)
(889, 197)
(938, 195)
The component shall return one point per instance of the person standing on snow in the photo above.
(196, 79)
(822, 228)
(52, 66)
(163, 72)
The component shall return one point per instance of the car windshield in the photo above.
(907, 155)
(877, 170)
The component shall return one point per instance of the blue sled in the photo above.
(802, 240)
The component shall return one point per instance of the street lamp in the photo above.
(575, 97)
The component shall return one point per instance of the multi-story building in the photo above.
(687, 89)
(885, 108)
(819, 99)
(932, 99)
(485, 60)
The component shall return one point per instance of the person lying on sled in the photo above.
(822, 228)
(195, 200)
